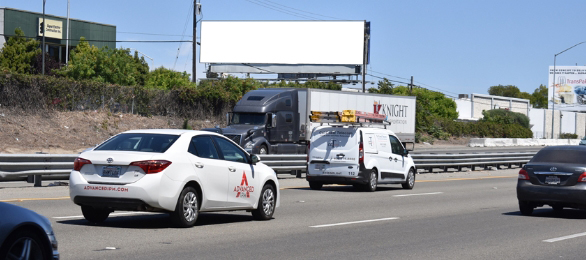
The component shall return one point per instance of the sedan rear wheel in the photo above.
(525, 208)
(95, 215)
(187, 208)
(24, 244)
(266, 203)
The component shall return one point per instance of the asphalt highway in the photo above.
(453, 215)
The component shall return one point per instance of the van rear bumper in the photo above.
(336, 179)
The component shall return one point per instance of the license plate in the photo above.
(111, 171)
(320, 167)
(554, 180)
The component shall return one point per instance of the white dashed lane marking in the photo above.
(353, 222)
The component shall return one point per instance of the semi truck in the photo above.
(277, 120)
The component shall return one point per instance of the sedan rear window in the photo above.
(559, 156)
(155, 143)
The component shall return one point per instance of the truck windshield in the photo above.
(248, 119)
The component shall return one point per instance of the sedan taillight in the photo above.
(152, 166)
(582, 177)
(80, 162)
(523, 175)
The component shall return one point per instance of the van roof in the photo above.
(361, 128)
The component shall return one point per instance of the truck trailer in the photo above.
(277, 120)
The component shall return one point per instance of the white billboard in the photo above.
(282, 42)
(569, 92)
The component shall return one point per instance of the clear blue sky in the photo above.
(457, 47)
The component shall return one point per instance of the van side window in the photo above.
(396, 145)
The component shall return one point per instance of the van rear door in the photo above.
(334, 152)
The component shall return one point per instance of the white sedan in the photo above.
(183, 172)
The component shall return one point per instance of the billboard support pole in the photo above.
(553, 95)
(365, 55)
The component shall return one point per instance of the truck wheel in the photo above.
(263, 150)
(410, 181)
(315, 185)
(187, 208)
(95, 215)
(266, 204)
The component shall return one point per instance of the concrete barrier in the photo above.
(507, 142)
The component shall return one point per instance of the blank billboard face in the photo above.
(282, 42)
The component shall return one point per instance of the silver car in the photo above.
(583, 141)
(25, 234)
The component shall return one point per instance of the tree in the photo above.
(539, 97)
(115, 66)
(504, 91)
(18, 53)
(384, 87)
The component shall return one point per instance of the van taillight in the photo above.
(523, 175)
(361, 153)
(152, 166)
(307, 152)
(80, 162)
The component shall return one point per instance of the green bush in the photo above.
(505, 117)
(568, 136)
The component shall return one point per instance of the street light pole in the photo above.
(553, 95)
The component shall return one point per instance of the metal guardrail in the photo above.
(25, 166)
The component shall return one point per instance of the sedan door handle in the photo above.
(198, 165)
(232, 169)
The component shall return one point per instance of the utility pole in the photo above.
(67, 41)
(411, 86)
(43, 26)
(196, 10)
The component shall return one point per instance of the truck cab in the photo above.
(266, 121)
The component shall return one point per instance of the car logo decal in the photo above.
(553, 169)
(110, 160)
(243, 190)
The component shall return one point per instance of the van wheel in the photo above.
(266, 203)
(525, 208)
(410, 181)
(187, 208)
(263, 149)
(372, 181)
(95, 215)
(315, 185)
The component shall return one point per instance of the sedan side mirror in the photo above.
(254, 158)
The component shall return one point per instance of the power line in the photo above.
(90, 40)
(155, 34)
(281, 10)
(183, 34)
(301, 10)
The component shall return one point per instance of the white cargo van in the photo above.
(358, 155)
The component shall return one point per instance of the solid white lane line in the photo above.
(417, 194)
(352, 222)
(565, 237)
(112, 214)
